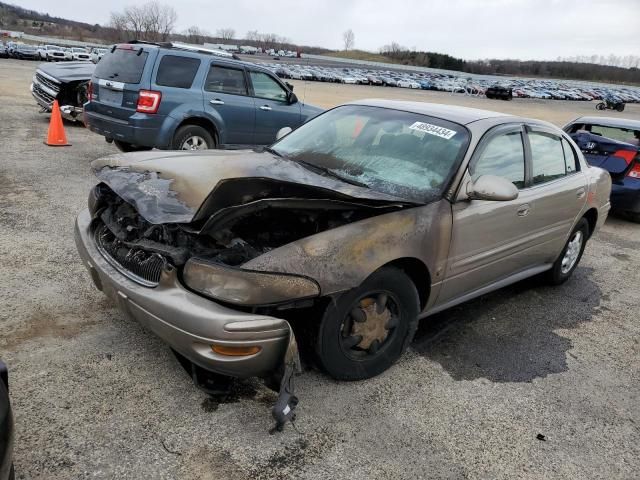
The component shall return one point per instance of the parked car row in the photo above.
(542, 89)
(50, 53)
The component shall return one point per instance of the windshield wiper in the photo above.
(332, 173)
(275, 152)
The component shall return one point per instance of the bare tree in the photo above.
(252, 36)
(151, 21)
(349, 39)
(226, 33)
(195, 35)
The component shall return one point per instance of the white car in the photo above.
(97, 54)
(68, 54)
(80, 54)
(51, 53)
(408, 84)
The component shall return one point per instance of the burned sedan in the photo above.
(66, 82)
(351, 228)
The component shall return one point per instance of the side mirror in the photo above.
(492, 187)
(292, 98)
(289, 86)
(282, 132)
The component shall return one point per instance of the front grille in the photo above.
(50, 84)
(42, 95)
(137, 264)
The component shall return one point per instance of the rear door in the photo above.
(227, 101)
(118, 77)
(558, 189)
(273, 110)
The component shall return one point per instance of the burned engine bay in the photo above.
(232, 235)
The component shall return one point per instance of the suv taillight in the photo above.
(90, 91)
(148, 101)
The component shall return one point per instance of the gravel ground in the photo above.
(96, 396)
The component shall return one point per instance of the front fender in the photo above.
(342, 258)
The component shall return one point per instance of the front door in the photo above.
(273, 110)
(491, 239)
(227, 100)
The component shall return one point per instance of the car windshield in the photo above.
(394, 152)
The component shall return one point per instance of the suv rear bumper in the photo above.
(131, 131)
(189, 323)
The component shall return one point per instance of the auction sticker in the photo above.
(433, 130)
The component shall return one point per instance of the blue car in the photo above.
(613, 144)
(172, 96)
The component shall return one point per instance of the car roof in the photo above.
(609, 122)
(454, 113)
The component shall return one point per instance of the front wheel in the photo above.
(620, 107)
(568, 260)
(365, 330)
(192, 137)
(600, 106)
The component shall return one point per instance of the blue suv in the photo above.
(178, 97)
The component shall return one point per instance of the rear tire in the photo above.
(600, 106)
(620, 107)
(128, 147)
(571, 254)
(398, 312)
(193, 137)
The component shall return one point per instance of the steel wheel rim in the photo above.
(572, 252)
(194, 142)
(361, 340)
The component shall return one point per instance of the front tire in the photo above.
(365, 330)
(571, 254)
(600, 106)
(193, 137)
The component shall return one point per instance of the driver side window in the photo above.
(503, 156)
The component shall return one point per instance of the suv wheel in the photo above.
(128, 147)
(193, 137)
(365, 330)
(571, 254)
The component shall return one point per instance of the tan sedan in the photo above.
(351, 228)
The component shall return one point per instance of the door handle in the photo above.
(523, 210)
(580, 192)
(217, 101)
(266, 108)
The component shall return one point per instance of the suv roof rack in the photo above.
(187, 47)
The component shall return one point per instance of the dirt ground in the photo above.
(96, 396)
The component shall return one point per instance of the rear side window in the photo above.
(504, 157)
(547, 156)
(122, 66)
(266, 87)
(225, 80)
(177, 72)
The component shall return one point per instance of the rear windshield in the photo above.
(122, 66)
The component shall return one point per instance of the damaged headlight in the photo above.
(245, 287)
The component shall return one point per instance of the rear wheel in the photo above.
(600, 106)
(129, 147)
(192, 137)
(620, 107)
(365, 330)
(568, 260)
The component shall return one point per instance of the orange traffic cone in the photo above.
(56, 136)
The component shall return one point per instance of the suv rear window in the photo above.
(226, 80)
(177, 71)
(122, 66)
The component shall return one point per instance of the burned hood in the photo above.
(68, 71)
(180, 187)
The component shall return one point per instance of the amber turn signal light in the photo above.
(234, 351)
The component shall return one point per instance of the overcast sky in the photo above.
(471, 29)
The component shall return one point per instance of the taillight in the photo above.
(90, 91)
(628, 155)
(148, 101)
(635, 171)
